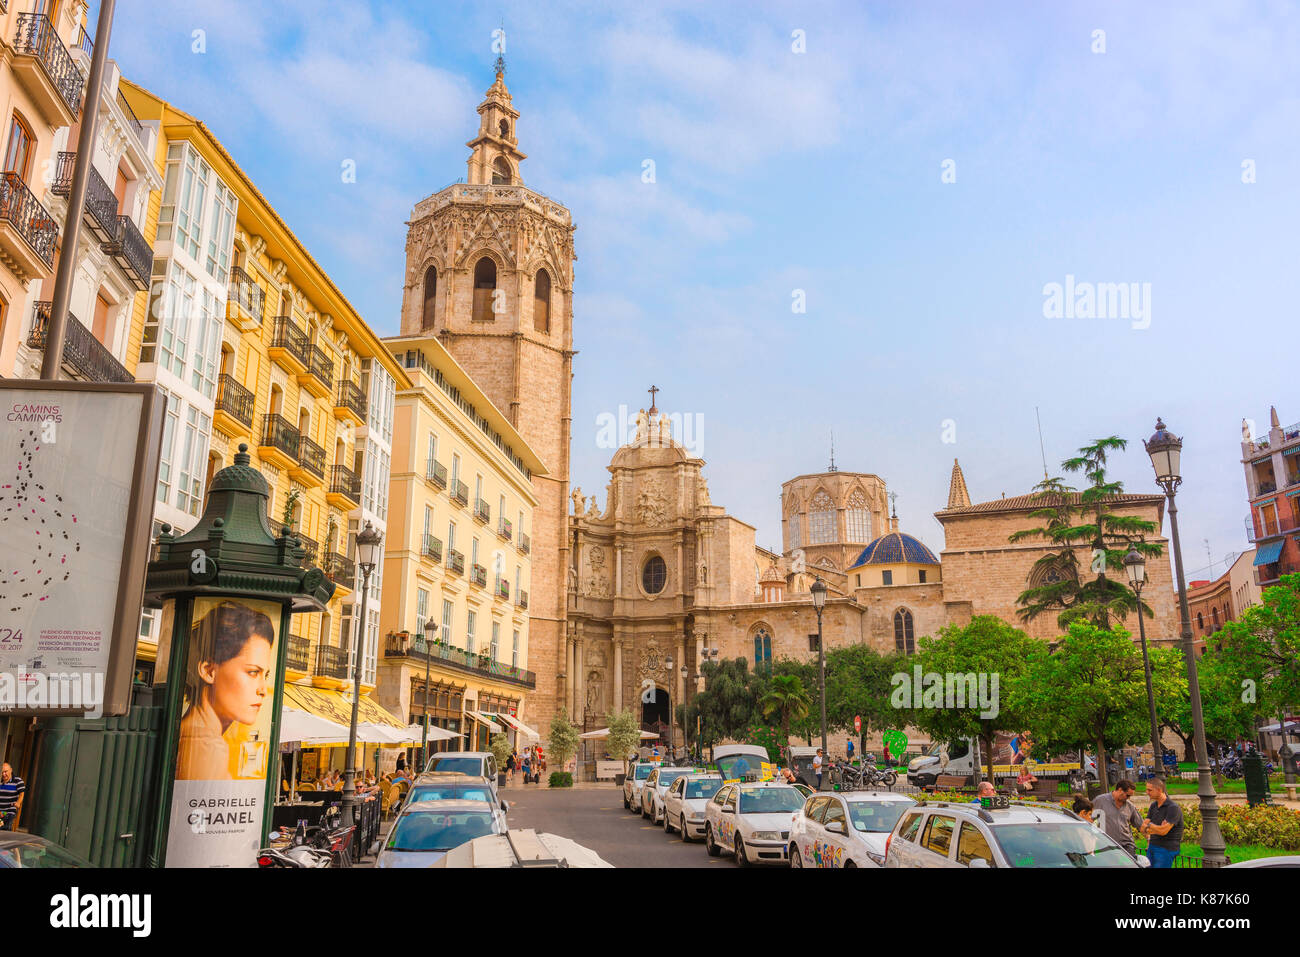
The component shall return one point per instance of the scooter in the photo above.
(292, 856)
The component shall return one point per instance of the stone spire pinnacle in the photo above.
(496, 157)
(958, 497)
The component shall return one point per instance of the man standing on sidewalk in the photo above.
(1117, 816)
(1163, 826)
(12, 789)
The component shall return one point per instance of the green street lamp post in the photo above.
(819, 602)
(1136, 567)
(430, 629)
(367, 554)
(1165, 450)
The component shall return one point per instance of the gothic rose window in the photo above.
(654, 575)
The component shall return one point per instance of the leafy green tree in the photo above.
(500, 746)
(624, 734)
(1226, 714)
(1262, 647)
(562, 740)
(985, 650)
(858, 683)
(786, 698)
(1090, 690)
(728, 704)
(1097, 593)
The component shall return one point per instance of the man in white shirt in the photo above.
(817, 768)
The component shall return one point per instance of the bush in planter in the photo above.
(1271, 825)
(560, 779)
(500, 746)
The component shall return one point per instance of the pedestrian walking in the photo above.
(1163, 826)
(528, 765)
(510, 768)
(1117, 814)
(817, 767)
(12, 790)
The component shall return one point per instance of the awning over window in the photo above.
(337, 707)
(485, 720)
(519, 726)
(1269, 552)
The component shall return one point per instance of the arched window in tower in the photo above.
(795, 541)
(857, 519)
(500, 172)
(542, 301)
(505, 129)
(821, 520)
(904, 636)
(1214, 613)
(762, 650)
(485, 285)
(430, 293)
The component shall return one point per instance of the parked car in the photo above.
(685, 802)
(656, 787)
(426, 830)
(845, 830)
(27, 850)
(752, 821)
(450, 786)
(633, 783)
(1016, 834)
(477, 764)
(526, 848)
(740, 762)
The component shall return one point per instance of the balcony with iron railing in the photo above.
(504, 529)
(46, 69)
(521, 599)
(28, 233)
(83, 355)
(478, 575)
(525, 543)
(245, 300)
(435, 473)
(131, 118)
(279, 441)
(310, 468)
(482, 511)
(331, 662)
(310, 548)
(84, 43)
(318, 379)
(129, 249)
(460, 493)
(350, 402)
(101, 209)
(441, 654)
(341, 570)
(234, 408)
(298, 655)
(345, 488)
(1260, 528)
(432, 547)
(1270, 574)
(501, 588)
(455, 562)
(289, 345)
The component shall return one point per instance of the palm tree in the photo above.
(787, 696)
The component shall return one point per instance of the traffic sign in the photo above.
(857, 723)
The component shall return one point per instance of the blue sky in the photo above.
(820, 171)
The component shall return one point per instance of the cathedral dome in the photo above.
(895, 548)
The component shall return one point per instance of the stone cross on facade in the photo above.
(652, 390)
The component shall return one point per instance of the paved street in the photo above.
(594, 817)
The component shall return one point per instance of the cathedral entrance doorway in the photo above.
(656, 712)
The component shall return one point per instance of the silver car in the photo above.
(426, 830)
(633, 783)
(656, 786)
(685, 801)
(1004, 834)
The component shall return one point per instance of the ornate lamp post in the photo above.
(1165, 450)
(686, 732)
(367, 554)
(430, 629)
(1136, 566)
(819, 602)
(668, 667)
(706, 655)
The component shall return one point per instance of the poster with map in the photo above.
(76, 491)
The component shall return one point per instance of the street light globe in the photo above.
(818, 594)
(1165, 450)
(430, 630)
(368, 540)
(1136, 566)
(685, 671)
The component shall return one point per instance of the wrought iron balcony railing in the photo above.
(20, 208)
(279, 433)
(101, 208)
(482, 511)
(521, 599)
(331, 662)
(82, 352)
(505, 529)
(340, 569)
(310, 547)
(344, 481)
(291, 339)
(130, 115)
(525, 543)
(61, 184)
(455, 562)
(478, 575)
(436, 474)
(234, 399)
(311, 457)
(432, 547)
(502, 589)
(246, 295)
(37, 37)
(321, 366)
(351, 397)
(132, 253)
(446, 655)
(460, 493)
(298, 655)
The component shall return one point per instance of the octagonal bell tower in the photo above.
(489, 270)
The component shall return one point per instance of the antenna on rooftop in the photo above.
(1041, 450)
(832, 468)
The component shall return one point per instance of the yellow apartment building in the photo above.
(457, 552)
(253, 343)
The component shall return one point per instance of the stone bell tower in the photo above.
(489, 270)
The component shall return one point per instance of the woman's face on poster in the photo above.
(239, 687)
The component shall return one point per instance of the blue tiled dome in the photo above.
(895, 548)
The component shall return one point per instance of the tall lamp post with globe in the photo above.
(819, 602)
(1165, 450)
(367, 556)
(1136, 567)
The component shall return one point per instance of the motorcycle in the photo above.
(291, 855)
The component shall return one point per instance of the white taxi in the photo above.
(847, 829)
(633, 783)
(752, 820)
(685, 801)
(656, 788)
